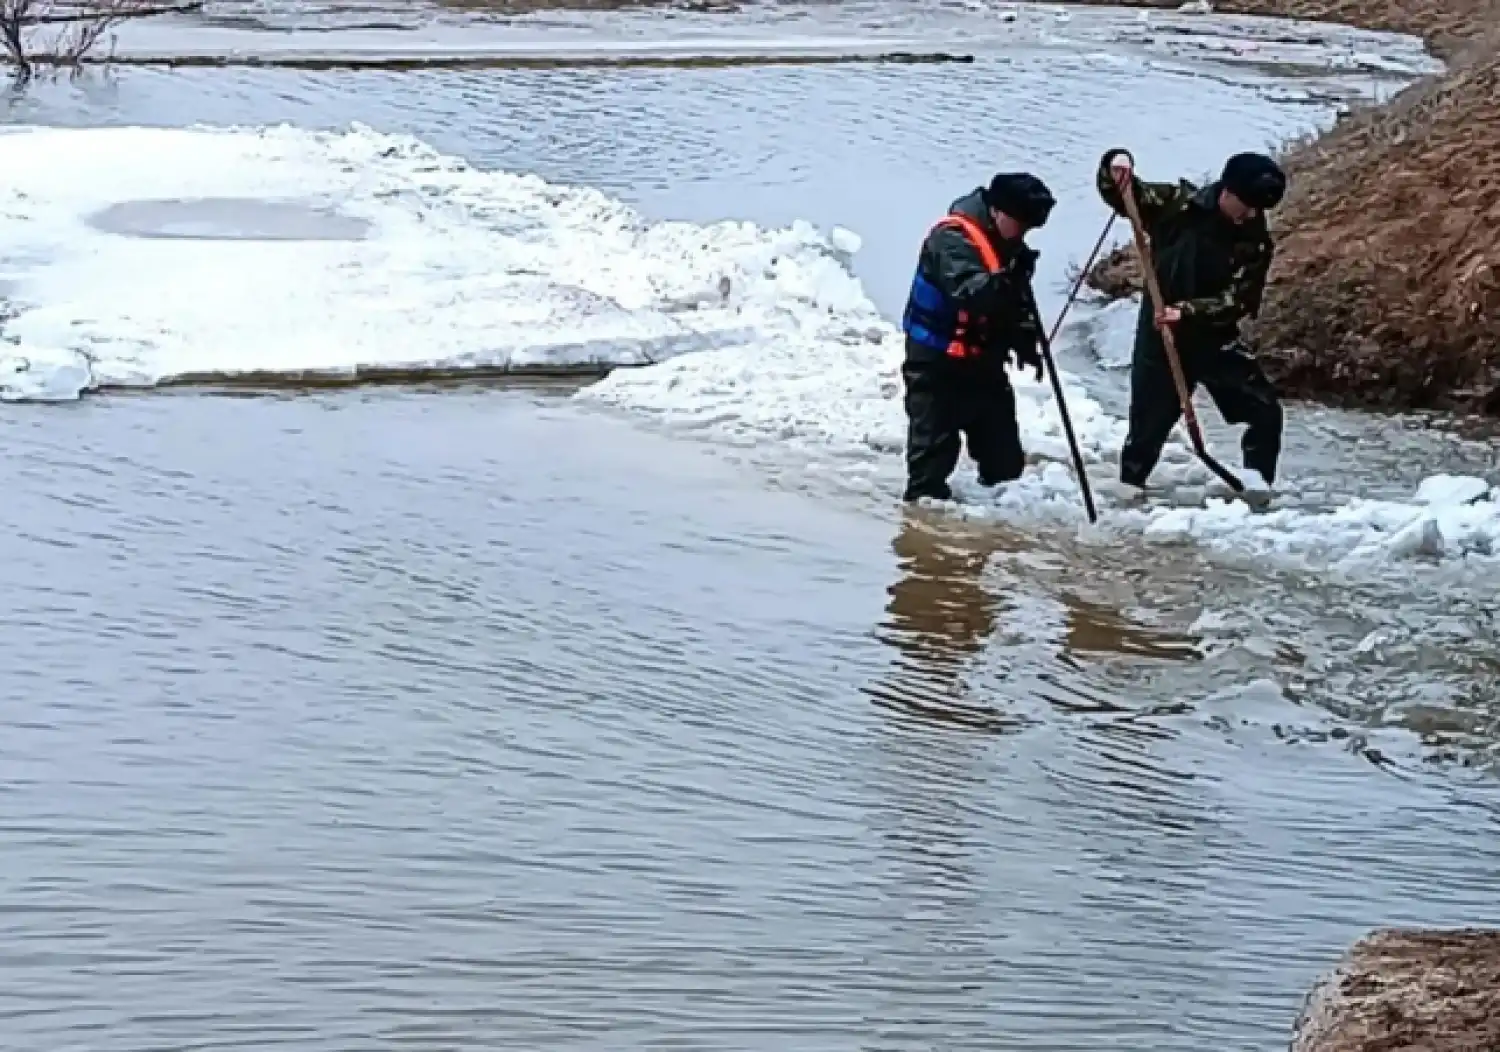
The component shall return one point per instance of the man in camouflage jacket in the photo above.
(1212, 251)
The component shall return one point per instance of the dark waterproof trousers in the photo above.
(948, 403)
(1235, 381)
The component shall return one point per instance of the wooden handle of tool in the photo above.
(1153, 289)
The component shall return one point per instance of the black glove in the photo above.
(1024, 345)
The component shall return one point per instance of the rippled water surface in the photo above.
(354, 721)
(478, 718)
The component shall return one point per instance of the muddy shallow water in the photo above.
(479, 717)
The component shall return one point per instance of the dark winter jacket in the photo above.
(950, 261)
(1211, 269)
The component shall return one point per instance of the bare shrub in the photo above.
(1117, 274)
(64, 32)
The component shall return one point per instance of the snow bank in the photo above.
(447, 266)
(42, 374)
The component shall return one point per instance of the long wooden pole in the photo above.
(1153, 289)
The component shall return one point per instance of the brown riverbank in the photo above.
(1437, 991)
(1386, 288)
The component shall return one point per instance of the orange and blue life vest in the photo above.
(931, 318)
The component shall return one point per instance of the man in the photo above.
(1211, 251)
(969, 309)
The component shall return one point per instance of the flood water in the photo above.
(478, 717)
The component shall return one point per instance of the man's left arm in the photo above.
(1017, 330)
(1242, 299)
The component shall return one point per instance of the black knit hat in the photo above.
(1255, 179)
(1022, 196)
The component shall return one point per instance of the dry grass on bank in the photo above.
(1386, 287)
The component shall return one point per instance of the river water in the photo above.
(494, 716)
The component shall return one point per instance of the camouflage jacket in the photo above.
(1212, 270)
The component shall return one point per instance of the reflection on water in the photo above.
(947, 616)
(1094, 629)
(939, 618)
(940, 613)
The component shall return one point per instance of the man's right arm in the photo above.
(1152, 199)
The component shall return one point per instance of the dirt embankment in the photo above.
(1386, 287)
(1407, 989)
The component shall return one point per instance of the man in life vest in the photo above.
(967, 313)
(1212, 251)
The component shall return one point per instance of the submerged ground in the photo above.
(638, 714)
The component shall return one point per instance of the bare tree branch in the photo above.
(84, 22)
(115, 9)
